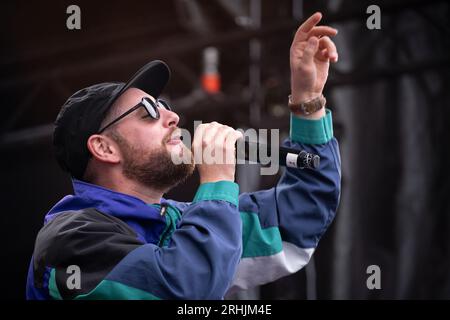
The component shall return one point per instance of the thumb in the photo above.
(310, 50)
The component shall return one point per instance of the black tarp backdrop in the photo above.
(395, 207)
(389, 94)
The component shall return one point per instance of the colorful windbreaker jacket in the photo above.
(101, 244)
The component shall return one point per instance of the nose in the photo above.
(169, 118)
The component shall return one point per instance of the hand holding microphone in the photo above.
(289, 157)
(216, 148)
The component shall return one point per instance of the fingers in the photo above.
(327, 49)
(225, 143)
(221, 134)
(306, 26)
(230, 139)
(204, 133)
(198, 136)
(214, 143)
(219, 147)
(309, 29)
(310, 51)
(322, 31)
(210, 133)
(197, 143)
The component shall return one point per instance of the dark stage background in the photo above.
(389, 94)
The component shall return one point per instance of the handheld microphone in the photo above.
(289, 157)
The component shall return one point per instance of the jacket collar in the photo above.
(135, 212)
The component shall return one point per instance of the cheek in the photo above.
(148, 137)
(143, 134)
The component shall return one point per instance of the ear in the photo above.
(103, 148)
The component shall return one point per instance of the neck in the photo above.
(132, 188)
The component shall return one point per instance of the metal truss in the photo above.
(253, 35)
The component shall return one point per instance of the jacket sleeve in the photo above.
(283, 225)
(198, 263)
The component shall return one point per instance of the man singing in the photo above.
(117, 237)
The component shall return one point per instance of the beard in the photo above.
(154, 168)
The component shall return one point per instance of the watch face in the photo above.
(313, 106)
(306, 109)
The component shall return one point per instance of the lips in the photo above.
(174, 138)
(174, 141)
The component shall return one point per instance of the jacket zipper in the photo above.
(163, 210)
(168, 227)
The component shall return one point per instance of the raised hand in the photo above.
(311, 53)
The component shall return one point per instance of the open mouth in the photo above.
(175, 138)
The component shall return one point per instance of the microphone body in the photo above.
(289, 157)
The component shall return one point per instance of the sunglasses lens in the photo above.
(164, 104)
(151, 108)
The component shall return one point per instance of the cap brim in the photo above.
(151, 78)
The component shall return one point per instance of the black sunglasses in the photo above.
(150, 105)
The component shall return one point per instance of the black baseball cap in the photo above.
(82, 114)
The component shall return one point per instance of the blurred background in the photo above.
(389, 94)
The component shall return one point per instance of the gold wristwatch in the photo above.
(307, 107)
